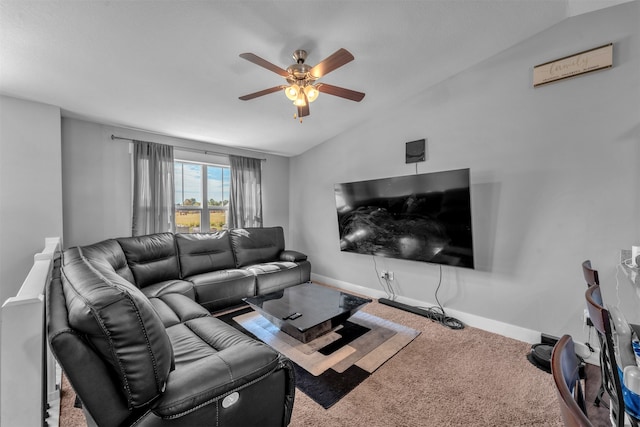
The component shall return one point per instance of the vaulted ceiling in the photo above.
(173, 67)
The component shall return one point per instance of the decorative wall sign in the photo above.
(574, 65)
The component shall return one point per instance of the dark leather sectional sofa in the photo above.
(129, 321)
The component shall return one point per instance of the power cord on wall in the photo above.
(436, 314)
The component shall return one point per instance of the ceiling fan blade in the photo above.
(340, 91)
(336, 60)
(264, 63)
(261, 93)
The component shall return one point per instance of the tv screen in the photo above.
(424, 217)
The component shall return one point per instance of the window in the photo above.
(202, 196)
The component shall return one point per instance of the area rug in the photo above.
(328, 368)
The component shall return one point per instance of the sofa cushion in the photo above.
(213, 360)
(206, 336)
(152, 258)
(70, 256)
(256, 245)
(173, 286)
(220, 289)
(82, 365)
(177, 308)
(274, 276)
(204, 252)
(122, 326)
(111, 252)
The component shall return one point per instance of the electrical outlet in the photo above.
(386, 275)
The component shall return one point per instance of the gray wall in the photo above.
(30, 187)
(554, 174)
(96, 180)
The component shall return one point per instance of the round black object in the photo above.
(540, 356)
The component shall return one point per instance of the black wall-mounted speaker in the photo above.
(415, 151)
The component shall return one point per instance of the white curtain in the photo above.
(153, 188)
(245, 201)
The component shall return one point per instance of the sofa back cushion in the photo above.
(256, 245)
(151, 258)
(121, 325)
(204, 252)
(111, 252)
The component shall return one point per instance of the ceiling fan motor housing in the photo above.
(300, 56)
(299, 70)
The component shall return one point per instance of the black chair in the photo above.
(611, 379)
(592, 278)
(565, 367)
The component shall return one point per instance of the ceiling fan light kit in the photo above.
(311, 92)
(302, 88)
(292, 92)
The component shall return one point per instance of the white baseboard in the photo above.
(494, 326)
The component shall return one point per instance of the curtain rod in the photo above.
(113, 137)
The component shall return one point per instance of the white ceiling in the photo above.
(172, 67)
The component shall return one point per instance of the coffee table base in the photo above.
(319, 309)
(311, 333)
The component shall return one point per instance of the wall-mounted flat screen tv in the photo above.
(424, 217)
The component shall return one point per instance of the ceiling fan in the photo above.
(302, 87)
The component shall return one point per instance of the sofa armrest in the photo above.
(205, 381)
(292, 256)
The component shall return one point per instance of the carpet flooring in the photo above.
(444, 377)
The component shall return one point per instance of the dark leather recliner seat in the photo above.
(140, 350)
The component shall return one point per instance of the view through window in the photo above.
(202, 196)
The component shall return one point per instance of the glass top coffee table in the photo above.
(307, 311)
